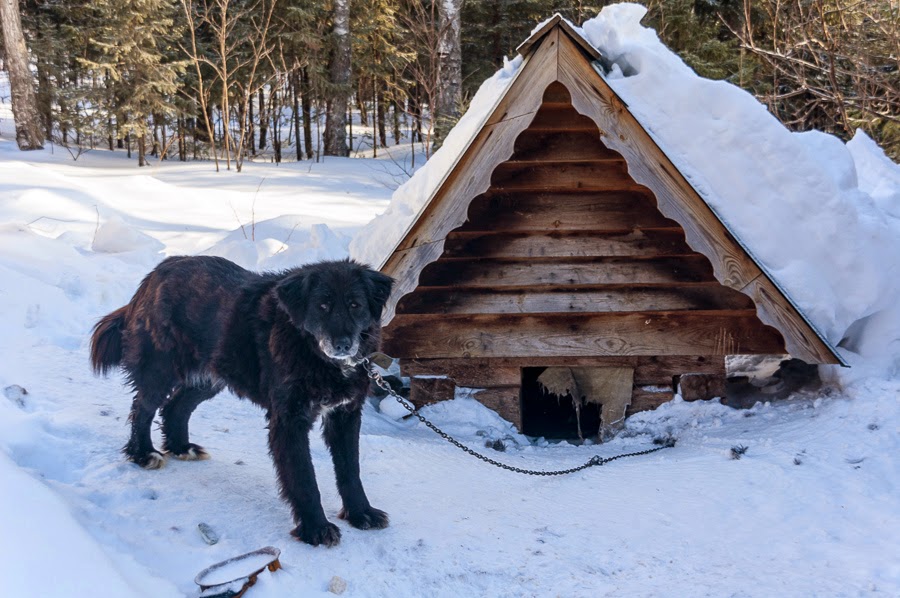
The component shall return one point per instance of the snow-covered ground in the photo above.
(811, 509)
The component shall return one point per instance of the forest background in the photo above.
(230, 80)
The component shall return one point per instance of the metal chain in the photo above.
(596, 460)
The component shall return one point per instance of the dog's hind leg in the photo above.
(152, 382)
(341, 431)
(140, 446)
(175, 416)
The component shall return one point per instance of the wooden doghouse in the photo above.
(564, 236)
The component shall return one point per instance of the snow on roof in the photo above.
(822, 217)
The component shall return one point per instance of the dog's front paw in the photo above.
(327, 534)
(370, 518)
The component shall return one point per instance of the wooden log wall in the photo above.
(566, 258)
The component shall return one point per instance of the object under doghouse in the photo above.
(566, 262)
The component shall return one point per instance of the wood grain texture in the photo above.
(562, 119)
(557, 22)
(542, 212)
(678, 200)
(644, 400)
(561, 146)
(799, 338)
(566, 244)
(470, 373)
(561, 335)
(405, 266)
(424, 391)
(701, 387)
(496, 273)
(511, 177)
(505, 400)
(491, 146)
(660, 370)
(563, 300)
(649, 166)
(525, 97)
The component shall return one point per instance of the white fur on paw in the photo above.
(155, 460)
(192, 454)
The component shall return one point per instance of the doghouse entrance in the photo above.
(550, 416)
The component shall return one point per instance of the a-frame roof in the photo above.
(557, 52)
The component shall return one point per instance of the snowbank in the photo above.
(819, 215)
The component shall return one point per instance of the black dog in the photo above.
(291, 342)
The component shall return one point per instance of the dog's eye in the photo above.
(324, 307)
(354, 305)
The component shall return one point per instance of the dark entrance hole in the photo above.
(550, 416)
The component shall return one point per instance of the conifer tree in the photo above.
(135, 41)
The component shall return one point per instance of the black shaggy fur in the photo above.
(291, 342)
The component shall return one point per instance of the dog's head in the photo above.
(338, 303)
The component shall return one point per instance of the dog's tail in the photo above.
(106, 342)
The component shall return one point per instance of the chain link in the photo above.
(596, 460)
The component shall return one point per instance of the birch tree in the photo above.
(29, 133)
(339, 80)
(450, 70)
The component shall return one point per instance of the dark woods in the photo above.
(228, 80)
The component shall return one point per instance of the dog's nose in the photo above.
(342, 346)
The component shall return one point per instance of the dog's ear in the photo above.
(293, 296)
(379, 286)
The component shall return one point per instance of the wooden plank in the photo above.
(558, 146)
(525, 47)
(494, 273)
(566, 244)
(701, 387)
(510, 177)
(556, 93)
(426, 390)
(647, 369)
(661, 370)
(774, 310)
(556, 118)
(527, 92)
(562, 300)
(645, 400)
(404, 266)
(678, 200)
(505, 400)
(541, 212)
(562, 335)
(556, 21)
(491, 146)
(471, 373)
(649, 166)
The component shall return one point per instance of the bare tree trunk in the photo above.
(29, 135)
(395, 122)
(307, 113)
(450, 77)
(251, 133)
(263, 121)
(142, 150)
(380, 116)
(339, 77)
(276, 124)
(295, 91)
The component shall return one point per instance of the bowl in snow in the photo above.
(231, 578)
